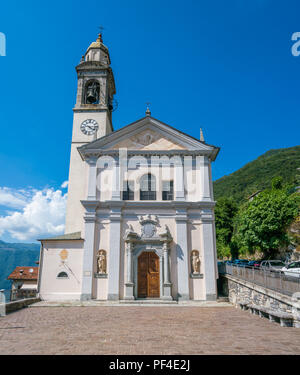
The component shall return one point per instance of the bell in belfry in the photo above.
(92, 93)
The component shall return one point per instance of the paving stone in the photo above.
(143, 330)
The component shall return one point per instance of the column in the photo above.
(114, 253)
(88, 252)
(209, 259)
(129, 276)
(182, 254)
(167, 284)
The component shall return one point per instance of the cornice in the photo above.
(147, 153)
(177, 205)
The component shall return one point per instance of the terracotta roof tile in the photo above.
(24, 273)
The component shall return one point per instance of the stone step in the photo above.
(149, 301)
(223, 299)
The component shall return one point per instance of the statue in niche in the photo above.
(101, 262)
(195, 262)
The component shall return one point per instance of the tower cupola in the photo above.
(97, 51)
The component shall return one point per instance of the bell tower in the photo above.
(92, 120)
(95, 92)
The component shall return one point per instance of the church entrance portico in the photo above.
(147, 263)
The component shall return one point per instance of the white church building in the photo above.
(140, 209)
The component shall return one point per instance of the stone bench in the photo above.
(243, 305)
(254, 309)
(285, 319)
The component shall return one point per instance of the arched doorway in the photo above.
(148, 275)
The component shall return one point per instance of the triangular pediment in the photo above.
(148, 139)
(148, 134)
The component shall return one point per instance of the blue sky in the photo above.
(225, 66)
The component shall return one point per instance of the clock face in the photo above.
(89, 127)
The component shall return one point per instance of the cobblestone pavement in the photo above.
(143, 330)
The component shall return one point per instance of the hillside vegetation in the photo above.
(257, 175)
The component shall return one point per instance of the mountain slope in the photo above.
(13, 255)
(258, 174)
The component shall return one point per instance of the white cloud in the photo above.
(39, 213)
(13, 198)
(65, 184)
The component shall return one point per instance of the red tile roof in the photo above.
(24, 273)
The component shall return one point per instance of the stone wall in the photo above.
(17, 305)
(242, 291)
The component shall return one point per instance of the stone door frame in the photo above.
(135, 245)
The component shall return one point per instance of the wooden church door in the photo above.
(148, 275)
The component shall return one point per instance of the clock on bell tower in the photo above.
(92, 120)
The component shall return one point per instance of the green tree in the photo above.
(225, 212)
(262, 223)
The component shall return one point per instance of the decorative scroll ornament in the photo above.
(130, 234)
(165, 235)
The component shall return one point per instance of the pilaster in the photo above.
(206, 194)
(92, 179)
(182, 254)
(208, 246)
(179, 181)
(129, 284)
(114, 253)
(167, 285)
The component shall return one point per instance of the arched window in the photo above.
(92, 92)
(148, 187)
(62, 275)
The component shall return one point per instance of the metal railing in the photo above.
(274, 280)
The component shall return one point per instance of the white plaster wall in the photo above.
(77, 188)
(52, 288)
(28, 283)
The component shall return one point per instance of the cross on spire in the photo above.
(101, 28)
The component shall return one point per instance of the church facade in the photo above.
(140, 210)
